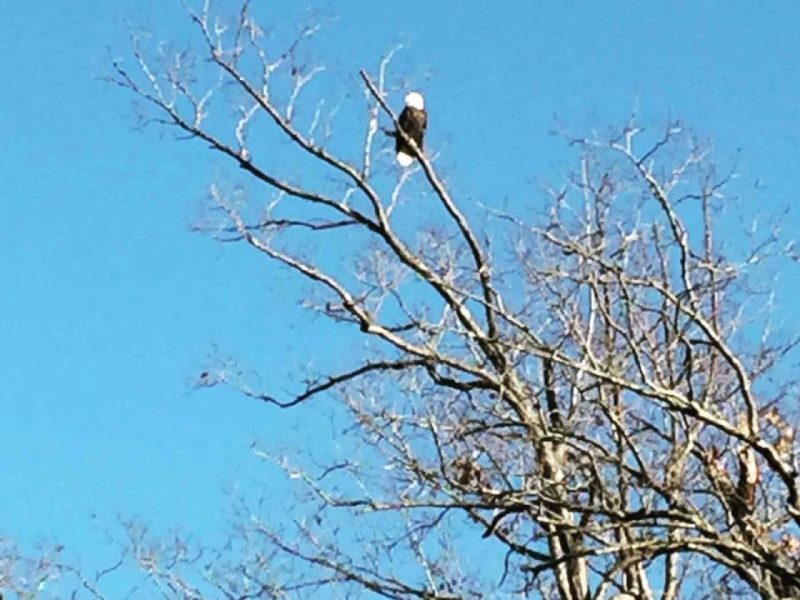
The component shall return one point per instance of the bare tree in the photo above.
(23, 576)
(583, 401)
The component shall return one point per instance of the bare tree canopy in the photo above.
(578, 397)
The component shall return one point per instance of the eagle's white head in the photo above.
(415, 100)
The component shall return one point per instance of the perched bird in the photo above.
(413, 121)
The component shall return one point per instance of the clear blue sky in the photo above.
(109, 306)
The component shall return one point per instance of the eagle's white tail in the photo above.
(404, 159)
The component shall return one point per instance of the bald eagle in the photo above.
(413, 121)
